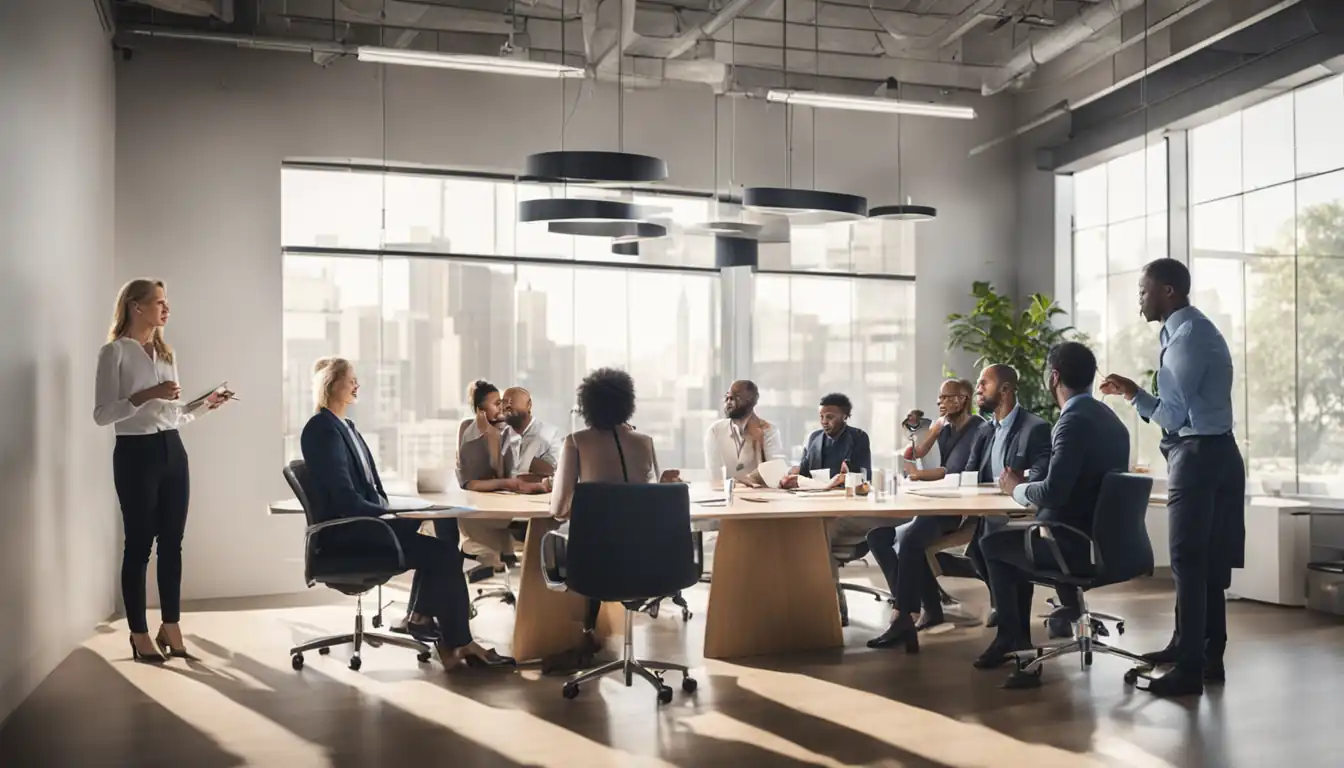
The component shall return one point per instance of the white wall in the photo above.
(58, 522)
(202, 130)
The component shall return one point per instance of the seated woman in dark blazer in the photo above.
(344, 483)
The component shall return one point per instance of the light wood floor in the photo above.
(241, 704)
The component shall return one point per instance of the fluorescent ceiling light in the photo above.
(868, 104)
(491, 64)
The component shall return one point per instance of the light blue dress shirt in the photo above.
(997, 458)
(1194, 381)
(1020, 492)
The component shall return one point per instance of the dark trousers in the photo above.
(986, 526)
(1206, 494)
(900, 551)
(438, 588)
(1008, 569)
(153, 487)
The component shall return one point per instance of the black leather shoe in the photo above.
(1164, 657)
(901, 632)
(999, 654)
(1020, 680)
(1177, 682)
(1215, 672)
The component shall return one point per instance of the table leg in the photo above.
(548, 622)
(772, 590)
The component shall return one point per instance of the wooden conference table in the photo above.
(771, 590)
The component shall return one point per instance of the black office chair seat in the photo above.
(350, 572)
(1120, 552)
(628, 544)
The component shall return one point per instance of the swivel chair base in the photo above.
(1084, 642)
(358, 638)
(651, 671)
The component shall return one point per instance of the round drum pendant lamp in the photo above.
(640, 229)
(726, 229)
(831, 206)
(578, 210)
(625, 248)
(907, 212)
(594, 166)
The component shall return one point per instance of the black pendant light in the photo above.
(907, 211)
(816, 205)
(586, 166)
(643, 230)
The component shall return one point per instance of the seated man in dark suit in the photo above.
(344, 483)
(1089, 442)
(1013, 438)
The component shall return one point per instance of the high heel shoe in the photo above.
(161, 640)
(145, 658)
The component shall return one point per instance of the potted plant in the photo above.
(997, 333)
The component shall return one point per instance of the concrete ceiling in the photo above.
(848, 45)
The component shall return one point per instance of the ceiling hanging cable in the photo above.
(905, 209)
(817, 205)
(589, 216)
(718, 225)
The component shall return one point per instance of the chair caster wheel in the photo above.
(422, 657)
(324, 651)
(472, 613)
(569, 691)
(1087, 659)
(686, 615)
(664, 694)
(377, 621)
(509, 600)
(1120, 627)
(355, 663)
(689, 685)
(296, 661)
(653, 611)
(1133, 674)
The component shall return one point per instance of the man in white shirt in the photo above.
(533, 445)
(743, 441)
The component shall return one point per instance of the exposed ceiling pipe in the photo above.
(220, 9)
(1052, 44)
(672, 47)
(247, 41)
(954, 29)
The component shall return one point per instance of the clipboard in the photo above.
(197, 402)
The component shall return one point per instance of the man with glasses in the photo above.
(900, 550)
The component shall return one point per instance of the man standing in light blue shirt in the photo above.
(1206, 478)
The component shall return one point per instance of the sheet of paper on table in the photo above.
(408, 504)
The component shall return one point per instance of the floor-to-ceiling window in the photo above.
(1120, 224)
(428, 282)
(1267, 257)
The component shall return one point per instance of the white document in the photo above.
(408, 504)
(773, 471)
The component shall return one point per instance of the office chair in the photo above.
(350, 573)
(844, 554)
(629, 544)
(653, 606)
(1121, 552)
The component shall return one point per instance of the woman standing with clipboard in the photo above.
(136, 390)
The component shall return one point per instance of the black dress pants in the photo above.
(900, 551)
(1206, 493)
(154, 488)
(438, 588)
(1008, 570)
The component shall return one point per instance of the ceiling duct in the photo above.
(1052, 44)
(219, 9)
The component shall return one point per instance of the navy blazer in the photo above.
(1089, 442)
(851, 447)
(1028, 448)
(339, 487)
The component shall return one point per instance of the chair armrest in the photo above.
(553, 547)
(382, 526)
(1048, 528)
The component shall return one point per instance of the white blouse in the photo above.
(124, 368)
